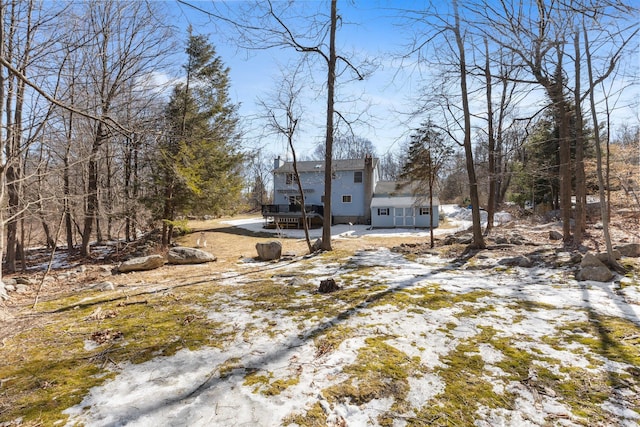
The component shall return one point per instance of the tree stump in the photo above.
(328, 285)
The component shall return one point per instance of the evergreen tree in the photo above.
(428, 152)
(199, 163)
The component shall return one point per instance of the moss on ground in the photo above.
(265, 384)
(51, 367)
(380, 371)
(313, 417)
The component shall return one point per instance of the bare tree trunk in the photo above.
(328, 172)
(432, 178)
(303, 212)
(478, 240)
(91, 214)
(601, 184)
(581, 194)
(67, 193)
(128, 172)
(491, 202)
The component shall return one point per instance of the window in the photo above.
(383, 211)
(357, 176)
(424, 211)
(322, 199)
(295, 203)
(291, 178)
(346, 198)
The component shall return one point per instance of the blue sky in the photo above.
(384, 100)
(368, 32)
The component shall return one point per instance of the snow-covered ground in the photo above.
(530, 309)
(457, 219)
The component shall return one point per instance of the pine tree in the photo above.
(199, 162)
(428, 152)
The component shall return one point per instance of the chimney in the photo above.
(278, 162)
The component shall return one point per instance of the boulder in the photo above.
(604, 257)
(316, 245)
(597, 274)
(269, 251)
(519, 261)
(591, 268)
(555, 235)
(590, 260)
(629, 250)
(183, 255)
(149, 262)
(9, 281)
(3, 292)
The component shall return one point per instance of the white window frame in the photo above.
(357, 174)
(346, 198)
(424, 211)
(383, 211)
(290, 178)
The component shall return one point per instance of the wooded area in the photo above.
(95, 149)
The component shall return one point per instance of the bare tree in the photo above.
(593, 82)
(283, 114)
(447, 99)
(127, 43)
(26, 32)
(263, 26)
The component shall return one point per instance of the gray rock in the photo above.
(465, 239)
(105, 270)
(3, 292)
(9, 281)
(22, 289)
(102, 286)
(9, 288)
(519, 261)
(555, 235)
(184, 255)
(316, 245)
(23, 281)
(564, 259)
(629, 250)
(604, 257)
(590, 260)
(597, 274)
(269, 251)
(296, 281)
(141, 263)
(501, 240)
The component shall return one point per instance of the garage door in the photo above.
(404, 217)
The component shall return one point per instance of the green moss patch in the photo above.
(51, 367)
(380, 371)
(265, 384)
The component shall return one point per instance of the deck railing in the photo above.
(269, 210)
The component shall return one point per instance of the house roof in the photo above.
(318, 165)
(400, 188)
(401, 202)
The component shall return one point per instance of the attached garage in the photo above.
(402, 212)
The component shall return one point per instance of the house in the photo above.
(352, 190)
(358, 196)
(402, 204)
